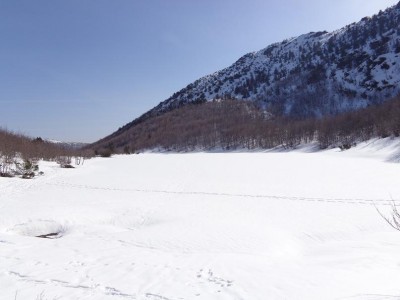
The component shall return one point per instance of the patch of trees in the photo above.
(19, 154)
(233, 124)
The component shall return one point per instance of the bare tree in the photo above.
(394, 218)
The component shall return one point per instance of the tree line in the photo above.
(19, 154)
(233, 124)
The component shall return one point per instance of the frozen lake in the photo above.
(293, 225)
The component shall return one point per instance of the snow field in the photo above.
(271, 225)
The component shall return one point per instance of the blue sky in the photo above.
(76, 70)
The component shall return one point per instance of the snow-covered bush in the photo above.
(27, 168)
(6, 163)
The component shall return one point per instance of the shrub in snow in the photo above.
(105, 153)
(27, 168)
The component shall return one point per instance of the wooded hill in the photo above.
(234, 124)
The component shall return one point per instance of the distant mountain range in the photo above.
(67, 145)
(313, 75)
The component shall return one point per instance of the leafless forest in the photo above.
(19, 154)
(233, 124)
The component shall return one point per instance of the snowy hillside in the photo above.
(314, 74)
(206, 226)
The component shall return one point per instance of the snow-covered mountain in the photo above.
(314, 74)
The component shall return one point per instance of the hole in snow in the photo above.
(47, 229)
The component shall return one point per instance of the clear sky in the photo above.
(76, 70)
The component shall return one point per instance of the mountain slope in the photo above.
(312, 75)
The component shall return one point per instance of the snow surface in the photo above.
(271, 225)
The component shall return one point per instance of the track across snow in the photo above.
(293, 225)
